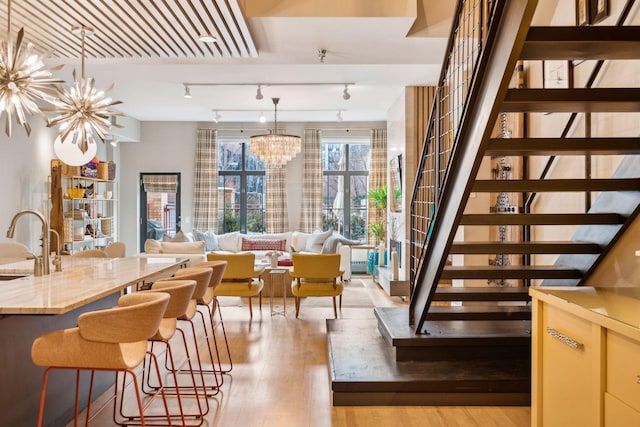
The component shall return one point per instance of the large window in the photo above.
(344, 191)
(241, 189)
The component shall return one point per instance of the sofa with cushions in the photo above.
(198, 243)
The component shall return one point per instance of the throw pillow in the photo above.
(316, 240)
(152, 246)
(208, 237)
(229, 242)
(263, 245)
(330, 245)
(179, 237)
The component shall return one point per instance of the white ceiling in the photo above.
(150, 48)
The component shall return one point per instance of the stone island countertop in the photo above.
(81, 281)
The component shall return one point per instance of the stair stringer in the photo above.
(625, 203)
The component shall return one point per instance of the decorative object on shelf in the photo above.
(275, 149)
(598, 10)
(23, 80)
(557, 74)
(394, 264)
(583, 12)
(83, 111)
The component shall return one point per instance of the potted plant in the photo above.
(379, 196)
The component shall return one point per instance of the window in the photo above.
(241, 189)
(345, 169)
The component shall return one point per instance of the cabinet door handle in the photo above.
(564, 339)
(637, 379)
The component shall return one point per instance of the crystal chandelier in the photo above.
(23, 80)
(275, 149)
(83, 111)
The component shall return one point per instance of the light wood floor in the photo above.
(280, 375)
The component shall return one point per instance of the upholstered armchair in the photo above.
(316, 275)
(241, 278)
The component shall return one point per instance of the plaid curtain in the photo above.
(205, 186)
(377, 172)
(277, 215)
(311, 215)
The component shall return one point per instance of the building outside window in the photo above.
(241, 189)
(345, 168)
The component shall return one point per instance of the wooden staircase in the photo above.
(490, 324)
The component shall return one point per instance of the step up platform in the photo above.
(365, 372)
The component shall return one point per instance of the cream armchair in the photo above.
(316, 275)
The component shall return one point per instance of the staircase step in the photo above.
(547, 185)
(542, 219)
(562, 146)
(558, 247)
(482, 293)
(588, 42)
(511, 272)
(453, 339)
(363, 371)
(481, 312)
(594, 100)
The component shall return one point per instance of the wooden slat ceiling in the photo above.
(133, 28)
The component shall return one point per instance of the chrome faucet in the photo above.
(41, 264)
(57, 260)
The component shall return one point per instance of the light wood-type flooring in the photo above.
(280, 376)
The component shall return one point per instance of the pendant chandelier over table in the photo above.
(275, 149)
(23, 80)
(83, 115)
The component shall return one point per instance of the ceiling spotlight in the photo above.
(259, 93)
(322, 54)
(345, 93)
(262, 118)
(187, 92)
(216, 117)
(207, 38)
(339, 116)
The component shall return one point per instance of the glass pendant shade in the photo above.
(68, 151)
(275, 149)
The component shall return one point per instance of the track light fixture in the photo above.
(187, 92)
(216, 117)
(345, 93)
(207, 38)
(259, 93)
(263, 118)
(339, 116)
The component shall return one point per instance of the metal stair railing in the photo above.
(472, 79)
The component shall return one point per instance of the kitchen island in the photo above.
(31, 306)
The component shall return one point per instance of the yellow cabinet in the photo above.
(585, 357)
(569, 356)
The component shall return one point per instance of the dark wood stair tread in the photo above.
(549, 185)
(587, 42)
(594, 100)
(511, 272)
(542, 219)
(480, 312)
(482, 293)
(555, 247)
(561, 146)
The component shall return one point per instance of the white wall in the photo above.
(24, 178)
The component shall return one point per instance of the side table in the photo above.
(277, 277)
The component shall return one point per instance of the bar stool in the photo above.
(180, 293)
(113, 339)
(202, 276)
(210, 300)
